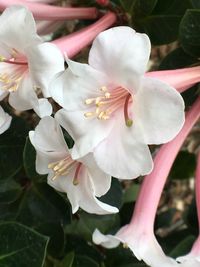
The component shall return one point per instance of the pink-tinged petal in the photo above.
(17, 28)
(25, 98)
(101, 180)
(158, 110)
(70, 89)
(123, 154)
(5, 120)
(86, 132)
(81, 195)
(122, 54)
(45, 60)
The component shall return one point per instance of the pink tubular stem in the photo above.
(48, 12)
(153, 184)
(197, 188)
(181, 79)
(75, 42)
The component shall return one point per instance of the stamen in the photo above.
(128, 121)
(76, 175)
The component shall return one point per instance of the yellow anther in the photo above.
(89, 101)
(129, 122)
(104, 89)
(107, 95)
(75, 181)
(2, 58)
(88, 114)
(125, 245)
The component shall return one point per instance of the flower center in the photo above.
(11, 80)
(108, 102)
(64, 166)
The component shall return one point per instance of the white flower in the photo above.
(5, 120)
(82, 180)
(112, 109)
(27, 65)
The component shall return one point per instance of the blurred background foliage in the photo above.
(37, 227)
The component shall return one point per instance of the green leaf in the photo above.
(42, 204)
(172, 7)
(161, 29)
(68, 260)
(178, 58)
(183, 247)
(87, 223)
(143, 7)
(84, 261)
(184, 166)
(11, 148)
(9, 191)
(21, 246)
(131, 193)
(195, 3)
(190, 31)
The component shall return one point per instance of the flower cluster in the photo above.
(112, 109)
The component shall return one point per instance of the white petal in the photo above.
(86, 132)
(122, 54)
(123, 154)
(107, 241)
(25, 98)
(50, 147)
(101, 181)
(45, 60)
(81, 195)
(71, 88)
(158, 110)
(17, 28)
(5, 120)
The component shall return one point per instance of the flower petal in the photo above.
(77, 125)
(81, 195)
(5, 120)
(45, 60)
(101, 180)
(70, 89)
(25, 98)
(17, 28)
(123, 154)
(107, 241)
(122, 54)
(158, 110)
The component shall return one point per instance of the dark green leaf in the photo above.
(172, 7)
(11, 148)
(177, 59)
(68, 260)
(183, 247)
(21, 246)
(183, 166)
(195, 3)
(161, 29)
(84, 261)
(87, 223)
(143, 8)
(190, 31)
(9, 191)
(131, 193)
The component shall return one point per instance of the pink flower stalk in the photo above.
(138, 235)
(192, 259)
(48, 12)
(181, 79)
(75, 42)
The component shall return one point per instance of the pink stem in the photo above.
(197, 188)
(153, 184)
(75, 42)
(47, 12)
(181, 79)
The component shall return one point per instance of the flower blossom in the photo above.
(5, 120)
(112, 109)
(138, 235)
(81, 179)
(27, 65)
